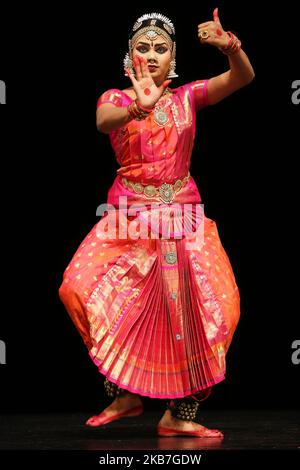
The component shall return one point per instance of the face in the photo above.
(157, 53)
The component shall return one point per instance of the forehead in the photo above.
(158, 40)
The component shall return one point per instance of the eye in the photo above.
(161, 50)
(142, 49)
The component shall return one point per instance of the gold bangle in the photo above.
(136, 112)
(140, 111)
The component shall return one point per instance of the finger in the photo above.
(137, 67)
(203, 40)
(140, 60)
(166, 83)
(144, 67)
(205, 25)
(216, 15)
(204, 34)
(131, 76)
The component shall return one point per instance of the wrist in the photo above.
(144, 108)
(137, 111)
(129, 115)
(233, 45)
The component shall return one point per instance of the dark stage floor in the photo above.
(243, 429)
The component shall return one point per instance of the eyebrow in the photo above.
(147, 44)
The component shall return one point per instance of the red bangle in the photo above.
(233, 45)
(232, 37)
(147, 110)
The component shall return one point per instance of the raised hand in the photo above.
(212, 32)
(147, 92)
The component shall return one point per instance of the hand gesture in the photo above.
(212, 32)
(144, 86)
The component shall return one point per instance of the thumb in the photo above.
(166, 83)
(216, 14)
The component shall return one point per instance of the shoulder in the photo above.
(191, 86)
(114, 96)
(129, 92)
(196, 92)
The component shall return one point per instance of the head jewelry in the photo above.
(152, 25)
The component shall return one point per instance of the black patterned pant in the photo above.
(181, 408)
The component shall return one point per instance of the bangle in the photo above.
(137, 112)
(147, 110)
(233, 45)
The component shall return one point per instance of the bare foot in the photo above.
(168, 421)
(120, 404)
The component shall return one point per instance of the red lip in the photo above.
(152, 67)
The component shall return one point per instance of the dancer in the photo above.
(157, 313)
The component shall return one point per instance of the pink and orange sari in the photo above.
(156, 314)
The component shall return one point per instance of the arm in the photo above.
(111, 117)
(241, 72)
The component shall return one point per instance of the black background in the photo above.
(56, 170)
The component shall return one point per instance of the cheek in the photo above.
(165, 60)
(136, 54)
(168, 61)
(166, 64)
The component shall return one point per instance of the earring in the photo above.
(127, 62)
(172, 73)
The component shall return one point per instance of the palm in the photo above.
(147, 92)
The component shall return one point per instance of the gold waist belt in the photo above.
(166, 191)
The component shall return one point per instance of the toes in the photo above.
(211, 432)
(91, 420)
(214, 433)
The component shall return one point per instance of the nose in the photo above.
(151, 55)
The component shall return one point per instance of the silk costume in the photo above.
(157, 318)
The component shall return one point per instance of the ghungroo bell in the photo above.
(112, 389)
(183, 408)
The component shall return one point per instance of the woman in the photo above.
(158, 312)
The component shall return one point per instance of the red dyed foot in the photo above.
(203, 432)
(104, 418)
